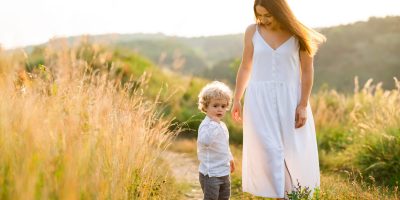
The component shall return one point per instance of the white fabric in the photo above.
(269, 134)
(213, 149)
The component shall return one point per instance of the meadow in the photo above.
(68, 131)
(91, 122)
(358, 138)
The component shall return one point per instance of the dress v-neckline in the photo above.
(269, 46)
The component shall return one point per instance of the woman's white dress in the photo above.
(271, 143)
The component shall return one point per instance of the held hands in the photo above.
(232, 163)
(236, 111)
(301, 116)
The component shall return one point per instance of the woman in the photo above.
(279, 142)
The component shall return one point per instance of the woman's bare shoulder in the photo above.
(251, 28)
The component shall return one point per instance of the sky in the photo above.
(27, 22)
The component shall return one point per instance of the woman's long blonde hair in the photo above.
(309, 39)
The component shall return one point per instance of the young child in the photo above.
(213, 152)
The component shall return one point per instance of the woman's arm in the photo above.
(307, 76)
(246, 64)
(244, 71)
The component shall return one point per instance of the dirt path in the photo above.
(185, 169)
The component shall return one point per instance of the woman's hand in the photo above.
(236, 111)
(301, 116)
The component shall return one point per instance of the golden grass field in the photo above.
(71, 135)
(68, 131)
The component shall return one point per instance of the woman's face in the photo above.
(264, 17)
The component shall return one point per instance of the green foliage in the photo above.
(379, 158)
(136, 64)
(300, 193)
(36, 58)
(5, 182)
(225, 70)
(333, 139)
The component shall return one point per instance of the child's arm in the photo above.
(208, 133)
(232, 162)
(230, 154)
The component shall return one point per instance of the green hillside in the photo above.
(364, 49)
(215, 49)
(168, 53)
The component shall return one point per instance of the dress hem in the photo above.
(263, 195)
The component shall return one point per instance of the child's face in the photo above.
(216, 109)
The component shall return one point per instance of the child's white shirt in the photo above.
(213, 149)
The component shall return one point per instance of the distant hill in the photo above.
(188, 55)
(182, 54)
(368, 49)
(217, 48)
(169, 53)
(365, 49)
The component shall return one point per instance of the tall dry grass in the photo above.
(360, 133)
(69, 134)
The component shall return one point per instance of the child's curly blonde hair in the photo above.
(214, 90)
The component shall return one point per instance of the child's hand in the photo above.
(232, 166)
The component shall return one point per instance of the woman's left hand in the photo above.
(301, 116)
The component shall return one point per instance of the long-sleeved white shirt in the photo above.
(213, 149)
